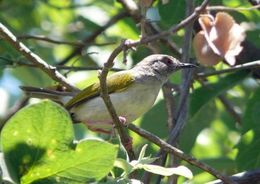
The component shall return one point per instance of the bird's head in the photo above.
(161, 66)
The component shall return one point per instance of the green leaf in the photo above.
(38, 145)
(145, 160)
(181, 170)
(170, 13)
(251, 117)
(142, 152)
(204, 94)
(123, 164)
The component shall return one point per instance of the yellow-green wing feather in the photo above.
(116, 82)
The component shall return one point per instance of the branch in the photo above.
(93, 36)
(59, 67)
(46, 39)
(131, 43)
(33, 58)
(187, 80)
(253, 64)
(173, 29)
(224, 8)
(187, 76)
(125, 139)
(59, 42)
(170, 104)
(163, 34)
(170, 149)
(248, 177)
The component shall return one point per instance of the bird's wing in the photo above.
(116, 82)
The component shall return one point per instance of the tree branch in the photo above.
(224, 8)
(46, 39)
(33, 58)
(248, 177)
(125, 139)
(170, 149)
(61, 67)
(187, 80)
(59, 42)
(173, 29)
(163, 34)
(253, 64)
(187, 76)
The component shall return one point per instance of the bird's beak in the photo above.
(187, 65)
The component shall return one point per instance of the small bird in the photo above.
(132, 92)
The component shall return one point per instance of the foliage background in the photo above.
(211, 133)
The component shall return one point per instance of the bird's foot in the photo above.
(122, 121)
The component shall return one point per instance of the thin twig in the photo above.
(170, 104)
(125, 139)
(247, 177)
(61, 67)
(173, 29)
(93, 36)
(224, 8)
(132, 8)
(253, 64)
(170, 149)
(6, 34)
(59, 42)
(50, 40)
(187, 79)
(181, 115)
(187, 76)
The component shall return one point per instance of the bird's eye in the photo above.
(168, 61)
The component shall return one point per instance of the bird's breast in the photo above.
(130, 103)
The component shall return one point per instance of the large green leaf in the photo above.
(38, 146)
(204, 94)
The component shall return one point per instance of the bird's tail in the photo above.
(57, 96)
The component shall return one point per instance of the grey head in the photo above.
(160, 66)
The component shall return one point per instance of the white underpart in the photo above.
(130, 104)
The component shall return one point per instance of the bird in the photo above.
(132, 92)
